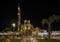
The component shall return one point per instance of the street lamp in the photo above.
(13, 24)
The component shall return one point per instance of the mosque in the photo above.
(27, 28)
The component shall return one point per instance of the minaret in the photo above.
(19, 17)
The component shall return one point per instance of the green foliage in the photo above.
(15, 40)
(44, 21)
(50, 20)
(40, 40)
(51, 40)
(7, 29)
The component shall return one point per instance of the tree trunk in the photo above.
(49, 31)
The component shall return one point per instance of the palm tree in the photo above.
(49, 21)
(49, 27)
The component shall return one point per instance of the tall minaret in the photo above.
(19, 17)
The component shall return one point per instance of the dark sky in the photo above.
(33, 10)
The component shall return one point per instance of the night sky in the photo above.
(33, 10)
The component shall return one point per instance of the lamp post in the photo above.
(13, 26)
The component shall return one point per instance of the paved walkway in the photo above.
(29, 39)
